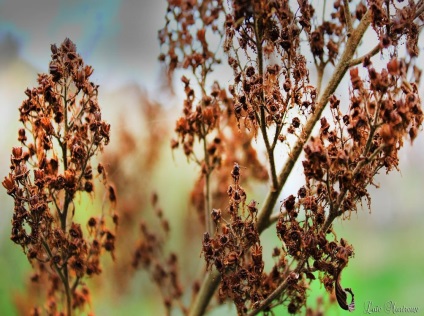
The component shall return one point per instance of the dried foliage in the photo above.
(142, 246)
(278, 53)
(269, 46)
(63, 131)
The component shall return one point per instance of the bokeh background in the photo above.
(119, 39)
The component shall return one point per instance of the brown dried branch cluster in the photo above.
(187, 45)
(199, 122)
(264, 93)
(207, 118)
(235, 251)
(305, 241)
(272, 96)
(235, 248)
(345, 159)
(202, 118)
(393, 26)
(63, 131)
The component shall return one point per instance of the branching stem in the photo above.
(263, 123)
(212, 278)
(341, 69)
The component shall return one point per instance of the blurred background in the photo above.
(119, 39)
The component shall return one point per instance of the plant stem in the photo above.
(371, 53)
(63, 277)
(208, 222)
(348, 17)
(209, 285)
(207, 211)
(64, 215)
(263, 125)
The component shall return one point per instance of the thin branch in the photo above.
(63, 276)
(419, 11)
(360, 60)
(263, 125)
(277, 292)
(276, 134)
(68, 198)
(348, 17)
(329, 191)
(323, 10)
(274, 217)
(55, 202)
(209, 285)
(208, 221)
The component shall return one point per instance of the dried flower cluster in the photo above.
(235, 248)
(63, 131)
(300, 228)
(208, 118)
(269, 46)
(392, 26)
(344, 159)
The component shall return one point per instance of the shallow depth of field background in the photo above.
(118, 38)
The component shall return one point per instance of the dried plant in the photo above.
(279, 53)
(62, 133)
(269, 46)
(135, 188)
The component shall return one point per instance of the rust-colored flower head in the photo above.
(62, 133)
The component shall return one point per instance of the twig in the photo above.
(277, 292)
(360, 60)
(209, 285)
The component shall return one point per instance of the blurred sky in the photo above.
(119, 38)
